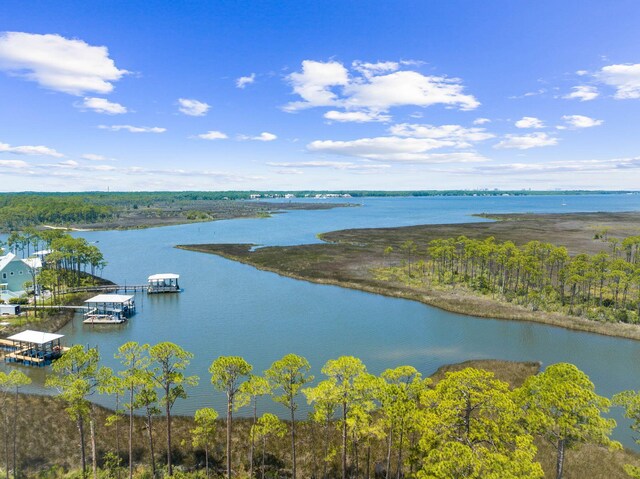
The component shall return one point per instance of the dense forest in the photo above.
(469, 424)
(19, 211)
(603, 286)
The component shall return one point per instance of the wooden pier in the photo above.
(108, 288)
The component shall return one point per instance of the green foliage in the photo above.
(471, 428)
(469, 425)
(269, 425)
(204, 434)
(20, 210)
(630, 401)
(21, 300)
(170, 360)
(287, 376)
(561, 405)
(226, 372)
(602, 287)
(168, 364)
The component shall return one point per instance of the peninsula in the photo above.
(352, 258)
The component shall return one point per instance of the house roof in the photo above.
(33, 263)
(110, 298)
(35, 337)
(161, 276)
(6, 259)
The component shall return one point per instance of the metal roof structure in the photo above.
(162, 276)
(6, 259)
(110, 298)
(35, 337)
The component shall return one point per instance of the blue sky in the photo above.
(206, 95)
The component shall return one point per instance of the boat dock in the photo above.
(163, 283)
(109, 309)
(33, 348)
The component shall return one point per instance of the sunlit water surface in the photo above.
(228, 308)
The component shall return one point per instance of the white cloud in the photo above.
(524, 142)
(102, 105)
(313, 84)
(213, 135)
(93, 157)
(244, 81)
(69, 163)
(372, 88)
(370, 69)
(30, 150)
(582, 93)
(625, 78)
(335, 165)
(582, 73)
(393, 148)
(264, 136)
(578, 166)
(355, 116)
(58, 63)
(404, 88)
(581, 121)
(529, 122)
(133, 129)
(481, 121)
(528, 94)
(14, 164)
(193, 107)
(460, 136)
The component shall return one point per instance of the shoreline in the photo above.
(455, 303)
(204, 212)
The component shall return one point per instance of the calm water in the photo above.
(230, 308)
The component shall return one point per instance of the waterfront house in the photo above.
(14, 273)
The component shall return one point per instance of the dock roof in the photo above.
(35, 337)
(110, 298)
(161, 276)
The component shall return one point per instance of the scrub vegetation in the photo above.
(475, 419)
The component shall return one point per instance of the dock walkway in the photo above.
(108, 288)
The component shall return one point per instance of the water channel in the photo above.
(229, 308)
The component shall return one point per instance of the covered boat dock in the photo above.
(33, 348)
(164, 283)
(109, 309)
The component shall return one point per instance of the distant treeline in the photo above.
(20, 210)
(119, 197)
